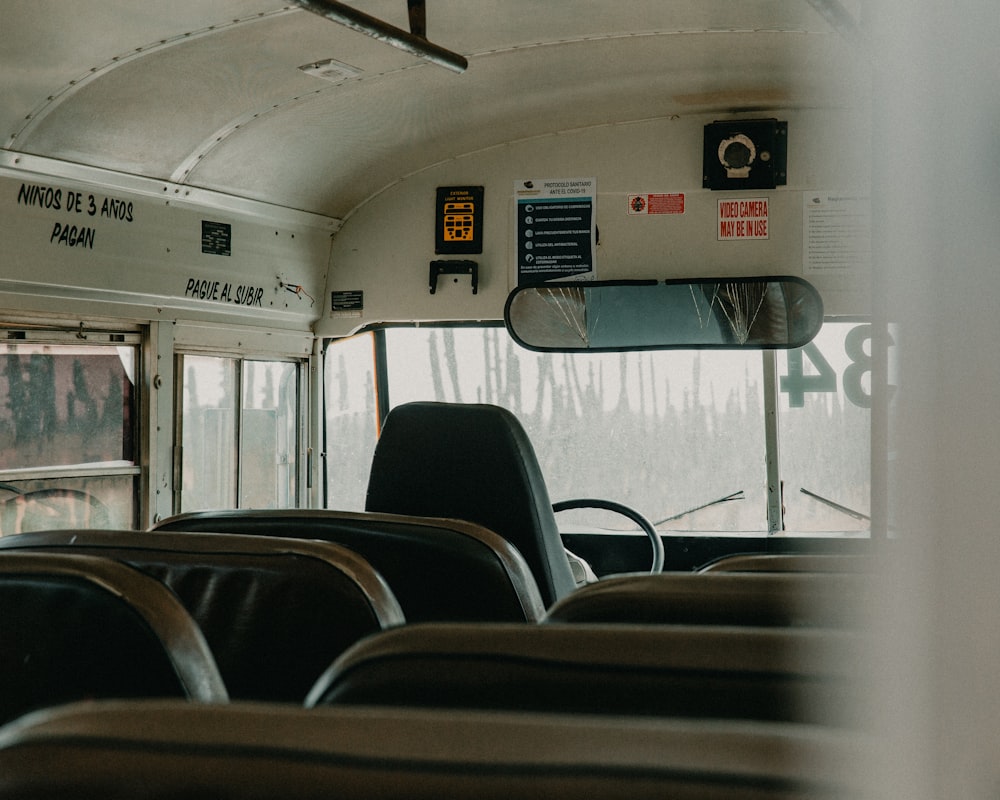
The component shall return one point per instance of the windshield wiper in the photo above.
(837, 506)
(734, 496)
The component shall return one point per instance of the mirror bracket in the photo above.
(470, 268)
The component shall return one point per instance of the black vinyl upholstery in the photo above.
(275, 612)
(789, 562)
(791, 675)
(438, 569)
(472, 462)
(721, 598)
(75, 627)
(241, 751)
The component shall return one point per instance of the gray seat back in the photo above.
(75, 627)
(275, 612)
(789, 562)
(778, 674)
(721, 598)
(438, 569)
(119, 751)
(472, 462)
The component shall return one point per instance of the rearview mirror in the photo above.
(776, 312)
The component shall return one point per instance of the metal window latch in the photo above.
(454, 268)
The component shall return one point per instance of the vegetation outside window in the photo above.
(68, 411)
(240, 432)
(679, 435)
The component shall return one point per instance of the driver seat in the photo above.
(471, 462)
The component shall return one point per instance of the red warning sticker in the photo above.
(656, 203)
(743, 219)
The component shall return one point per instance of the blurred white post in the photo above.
(936, 209)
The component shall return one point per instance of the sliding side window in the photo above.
(240, 432)
(68, 415)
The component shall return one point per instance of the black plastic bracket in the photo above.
(454, 268)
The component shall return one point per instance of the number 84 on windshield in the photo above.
(820, 376)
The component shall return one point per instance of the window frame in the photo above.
(109, 336)
(301, 446)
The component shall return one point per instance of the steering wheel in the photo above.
(631, 513)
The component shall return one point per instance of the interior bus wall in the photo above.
(386, 244)
(145, 250)
(132, 248)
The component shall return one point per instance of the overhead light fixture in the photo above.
(413, 41)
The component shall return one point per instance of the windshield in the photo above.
(678, 435)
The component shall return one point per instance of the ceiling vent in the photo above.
(331, 70)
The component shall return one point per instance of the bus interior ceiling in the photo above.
(247, 176)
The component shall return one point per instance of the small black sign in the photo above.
(347, 300)
(216, 238)
(459, 226)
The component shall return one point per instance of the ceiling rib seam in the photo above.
(47, 106)
(182, 174)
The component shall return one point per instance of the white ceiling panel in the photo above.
(209, 93)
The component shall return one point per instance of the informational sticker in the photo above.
(743, 219)
(556, 229)
(347, 303)
(836, 231)
(647, 204)
(459, 220)
(216, 238)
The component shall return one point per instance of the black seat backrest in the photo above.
(721, 598)
(438, 569)
(794, 675)
(471, 462)
(275, 612)
(75, 627)
(789, 562)
(172, 751)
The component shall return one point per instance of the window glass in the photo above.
(678, 435)
(208, 423)
(824, 424)
(98, 501)
(668, 433)
(66, 404)
(240, 432)
(351, 420)
(68, 454)
(269, 439)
